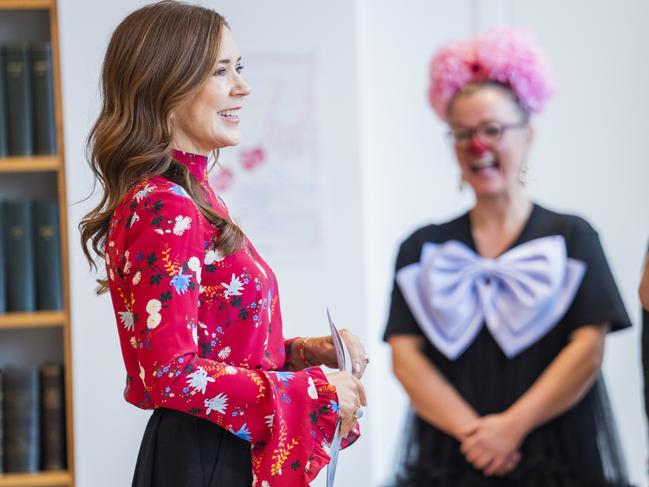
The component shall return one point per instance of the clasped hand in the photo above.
(491, 444)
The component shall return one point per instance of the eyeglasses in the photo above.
(488, 133)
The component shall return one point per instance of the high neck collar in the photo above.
(196, 163)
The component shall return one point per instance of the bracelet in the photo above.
(302, 354)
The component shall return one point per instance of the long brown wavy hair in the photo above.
(157, 57)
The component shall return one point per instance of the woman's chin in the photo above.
(488, 190)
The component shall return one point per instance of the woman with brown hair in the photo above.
(197, 307)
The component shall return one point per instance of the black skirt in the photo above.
(180, 450)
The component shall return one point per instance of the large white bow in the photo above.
(521, 295)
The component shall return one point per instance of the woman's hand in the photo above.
(644, 286)
(351, 396)
(491, 444)
(321, 350)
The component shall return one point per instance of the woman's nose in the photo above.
(477, 148)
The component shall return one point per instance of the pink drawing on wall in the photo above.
(252, 158)
(222, 180)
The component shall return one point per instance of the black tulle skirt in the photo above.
(180, 450)
(558, 454)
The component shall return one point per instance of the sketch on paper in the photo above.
(270, 180)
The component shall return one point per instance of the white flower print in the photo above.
(135, 218)
(136, 278)
(225, 353)
(269, 420)
(311, 390)
(127, 266)
(217, 403)
(144, 192)
(264, 483)
(234, 288)
(212, 256)
(127, 320)
(231, 370)
(153, 320)
(133, 342)
(158, 231)
(111, 244)
(153, 306)
(199, 379)
(181, 224)
(195, 265)
(111, 274)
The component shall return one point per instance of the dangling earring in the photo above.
(524, 173)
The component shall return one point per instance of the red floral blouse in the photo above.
(202, 333)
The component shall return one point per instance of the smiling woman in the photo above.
(197, 308)
(498, 317)
(210, 118)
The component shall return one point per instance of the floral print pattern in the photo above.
(201, 333)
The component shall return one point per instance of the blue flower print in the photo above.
(178, 190)
(335, 408)
(284, 377)
(243, 433)
(180, 282)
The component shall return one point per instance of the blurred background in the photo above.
(342, 157)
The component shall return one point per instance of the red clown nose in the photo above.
(477, 148)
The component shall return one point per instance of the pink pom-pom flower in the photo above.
(506, 55)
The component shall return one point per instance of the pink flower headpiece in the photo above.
(505, 55)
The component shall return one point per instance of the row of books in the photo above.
(32, 429)
(30, 256)
(27, 122)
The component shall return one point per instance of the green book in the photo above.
(43, 99)
(22, 420)
(4, 143)
(52, 417)
(19, 255)
(47, 255)
(19, 99)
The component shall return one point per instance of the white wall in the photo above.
(108, 430)
(385, 169)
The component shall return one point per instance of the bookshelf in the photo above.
(45, 479)
(41, 174)
(30, 164)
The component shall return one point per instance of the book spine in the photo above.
(43, 99)
(22, 420)
(21, 288)
(3, 261)
(47, 253)
(2, 408)
(53, 417)
(19, 100)
(4, 142)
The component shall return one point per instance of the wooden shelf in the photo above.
(41, 479)
(25, 5)
(53, 166)
(30, 164)
(37, 319)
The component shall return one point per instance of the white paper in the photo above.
(345, 365)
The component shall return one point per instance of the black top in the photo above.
(563, 452)
(645, 357)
